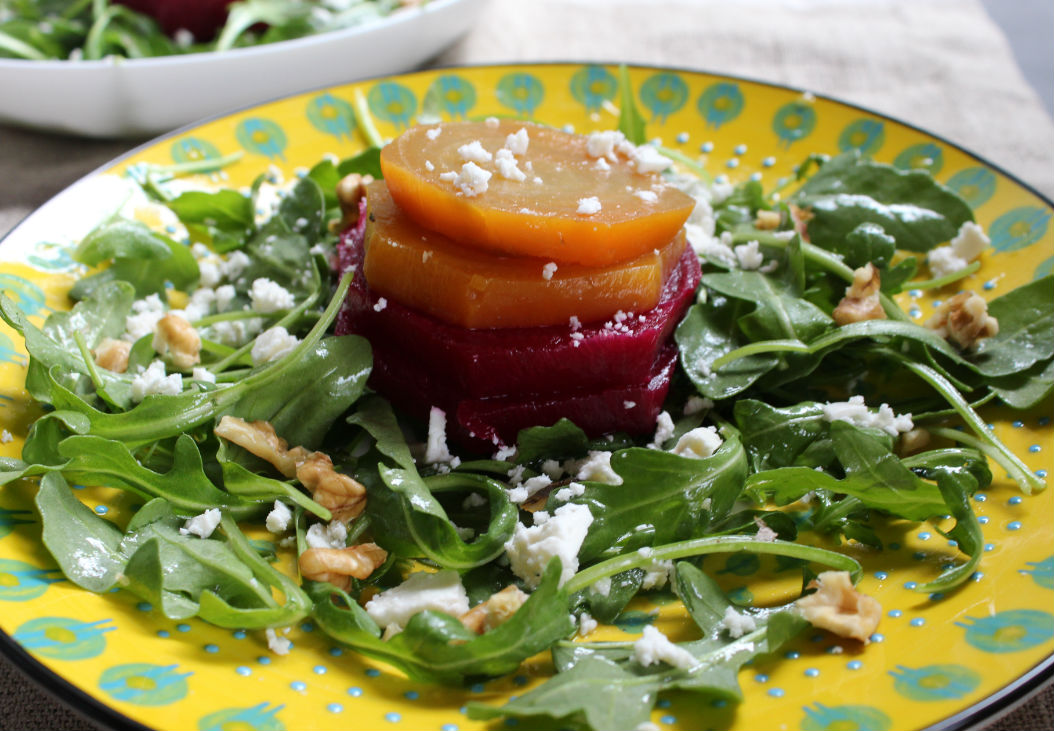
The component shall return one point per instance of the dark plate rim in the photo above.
(987, 709)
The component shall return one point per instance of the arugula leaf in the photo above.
(1028, 389)
(630, 121)
(849, 190)
(780, 311)
(562, 440)
(224, 216)
(1026, 320)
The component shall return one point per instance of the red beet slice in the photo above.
(495, 362)
(203, 18)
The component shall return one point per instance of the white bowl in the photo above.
(132, 97)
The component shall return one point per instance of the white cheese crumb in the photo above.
(597, 468)
(530, 549)
(504, 453)
(517, 142)
(575, 323)
(548, 270)
(147, 312)
(663, 430)
(225, 294)
(749, 256)
(333, 535)
(764, 532)
(278, 645)
(429, 166)
(855, 412)
(492, 122)
(698, 443)
(154, 381)
(235, 332)
(602, 587)
(441, 591)
(627, 405)
(586, 624)
(602, 165)
(382, 302)
(433, 133)
(202, 525)
(737, 624)
(203, 374)
(474, 152)
(436, 449)
(267, 296)
(588, 206)
(648, 196)
(471, 181)
(960, 251)
(655, 647)
(508, 167)
(277, 520)
(474, 500)
(522, 492)
(656, 575)
(6, 437)
(696, 404)
(649, 160)
(604, 144)
(272, 344)
(573, 490)
(235, 263)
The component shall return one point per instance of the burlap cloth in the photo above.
(941, 64)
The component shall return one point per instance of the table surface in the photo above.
(912, 59)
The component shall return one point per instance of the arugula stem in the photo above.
(694, 166)
(700, 546)
(20, 48)
(947, 279)
(761, 347)
(89, 363)
(362, 114)
(1018, 471)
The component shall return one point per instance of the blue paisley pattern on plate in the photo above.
(663, 95)
(64, 638)
(864, 135)
(260, 717)
(21, 581)
(591, 86)
(520, 92)
(262, 137)
(1019, 228)
(976, 185)
(794, 121)
(935, 682)
(193, 149)
(925, 156)
(145, 684)
(720, 103)
(454, 95)
(393, 102)
(1009, 631)
(839, 718)
(332, 116)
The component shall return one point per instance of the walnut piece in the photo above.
(913, 441)
(861, 301)
(342, 495)
(177, 338)
(838, 607)
(767, 220)
(350, 190)
(339, 565)
(963, 319)
(113, 355)
(495, 611)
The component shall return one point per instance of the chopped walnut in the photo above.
(177, 338)
(338, 565)
(350, 190)
(839, 608)
(495, 611)
(964, 320)
(337, 492)
(913, 441)
(801, 218)
(113, 355)
(343, 496)
(768, 220)
(861, 301)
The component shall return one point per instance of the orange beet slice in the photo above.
(569, 207)
(471, 288)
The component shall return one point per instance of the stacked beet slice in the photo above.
(604, 376)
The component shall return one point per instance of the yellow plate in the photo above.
(936, 661)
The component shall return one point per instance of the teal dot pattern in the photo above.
(64, 638)
(720, 103)
(593, 85)
(332, 116)
(521, 92)
(976, 185)
(262, 137)
(924, 156)
(144, 684)
(793, 122)
(864, 135)
(193, 149)
(935, 682)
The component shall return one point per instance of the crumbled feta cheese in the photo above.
(597, 468)
(225, 295)
(586, 624)
(698, 443)
(604, 144)
(203, 374)
(649, 160)
(433, 133)
(154, 381)
(663, 430)
(471, 181)
(553, 469)
(235, 263)
(504, 453)
(474, 152)
(508, 167)
(589, 206)
(202, 525)
(696, 404)
(736, 623)
(655, 647)
(147, 312)
(517, 142)
(856, 412)
(575, 323)
(278, 645)
(441, 591)
(492, 122)
(436, 449)
(960, 251)
(573, 490)
(209, 273)
(548, 270)
(333, 535)
(277, 520)
(272, 344)
(530, 549)
(749, 256)
(764, 532)
(381, 303)
(6, 437)
(648, 196)
(627, 405)
(235, 333)
(522, 492)
(656, 575)
(429, 166)
(200, 304)
(267, 296)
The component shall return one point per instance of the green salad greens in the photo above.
(766, 371)
(37, 30)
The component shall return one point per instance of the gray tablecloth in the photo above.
(940, 64)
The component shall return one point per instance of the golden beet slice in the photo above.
(526, 190)
(470, 288)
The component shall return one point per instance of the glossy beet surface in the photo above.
(515, 360)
